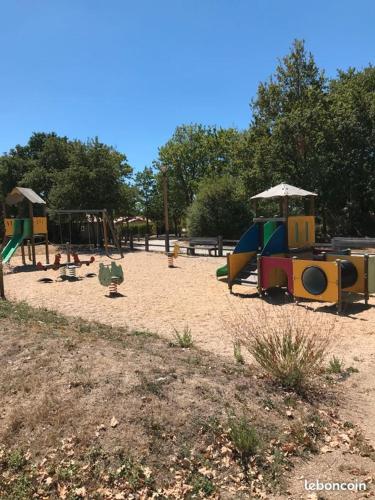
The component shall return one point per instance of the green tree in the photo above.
(195, 152)
(68, 174)
(219, 208)
(145, 182)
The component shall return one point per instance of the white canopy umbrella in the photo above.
(283, 190)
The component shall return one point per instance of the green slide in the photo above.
(11, 247)
(222, 271)
(22, 229)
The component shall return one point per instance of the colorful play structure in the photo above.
(28, 225)
(280, 252)
(31, 224)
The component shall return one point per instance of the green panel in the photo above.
(268, 230)
(17, 227)
(371, 273)
(27, 228)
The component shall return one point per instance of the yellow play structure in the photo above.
(281, 252)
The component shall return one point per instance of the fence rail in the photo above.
(148, 243)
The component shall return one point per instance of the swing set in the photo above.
(102, 221)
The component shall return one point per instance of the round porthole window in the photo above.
(314, 280)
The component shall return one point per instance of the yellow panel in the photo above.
(40, 225)
(330, 268)
(236, 262)
(359, 262)
(301, 231)
(9, 223)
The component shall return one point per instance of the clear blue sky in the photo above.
(131, 71)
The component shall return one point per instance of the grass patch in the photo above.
(184, 339)
(22, 312)
(244, 438)
(237, 353)
(336, 365)
(201, 485)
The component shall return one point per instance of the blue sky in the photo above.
(131, 71)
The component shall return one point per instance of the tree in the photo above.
(219, 208)
(195, 152)
(145, 182)
(67, 174)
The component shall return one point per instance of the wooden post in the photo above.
(164, 170)
(220, 246)
(312, 205)
(295, 299)
(259, 284)
(68, 251)
(146, 242)
(31, 216)
(29, 249)
(46, 235)
(105, 233)
(228, 269)
(2, 289)
(285, 207)
(366, 278)
(339, 291)
(23, 253)
(131, 241)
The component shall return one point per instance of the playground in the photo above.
(161, 299)
(275, 264)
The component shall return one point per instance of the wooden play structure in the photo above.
(281, 252)
(29, 224)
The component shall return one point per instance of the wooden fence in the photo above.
(147, 243)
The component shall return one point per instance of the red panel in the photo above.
(269, 263)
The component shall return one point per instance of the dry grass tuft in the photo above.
(289, 343)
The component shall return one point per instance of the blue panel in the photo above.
(277, 242)
(249, 241)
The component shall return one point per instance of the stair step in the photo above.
(240, 281)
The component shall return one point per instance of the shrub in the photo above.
(244, 437)
(184, 339)
(336, 365)
(288, 343)
(219, 209)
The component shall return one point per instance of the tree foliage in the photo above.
(219, 209)
(307, 130)
(68, 174)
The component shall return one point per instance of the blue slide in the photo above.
(249, 242)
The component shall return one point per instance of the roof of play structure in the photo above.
(282, 190)
(18, 194)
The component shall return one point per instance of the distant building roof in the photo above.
(20, 193)
(130, 219)
(282, 190)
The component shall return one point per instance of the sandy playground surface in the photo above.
(160, 300)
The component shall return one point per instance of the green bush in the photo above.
(244, 437)
(219, 209)
(184, 339)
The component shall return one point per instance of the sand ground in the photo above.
(160, 299)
